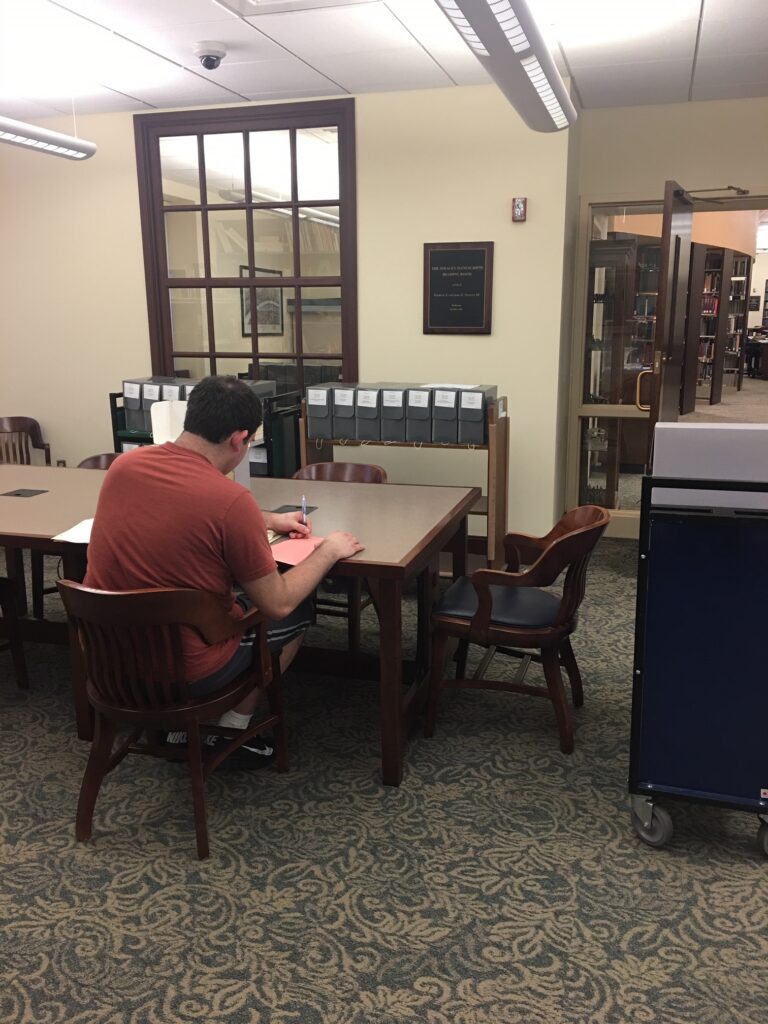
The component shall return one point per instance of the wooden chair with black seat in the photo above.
(19, 437)
(133, 666)
(8, 606)
(508, 612)
(351, 599)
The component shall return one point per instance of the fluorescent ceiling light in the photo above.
(506, 40)
(17, 133)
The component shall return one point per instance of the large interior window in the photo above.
(249, 229)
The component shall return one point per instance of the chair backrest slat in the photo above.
(347, 472)
(18, 435)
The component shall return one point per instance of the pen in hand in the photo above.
(304, 509)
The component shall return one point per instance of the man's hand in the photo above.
(343, 545)
(288, 522)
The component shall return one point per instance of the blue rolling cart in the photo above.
(700, 693)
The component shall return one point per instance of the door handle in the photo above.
(638, 403)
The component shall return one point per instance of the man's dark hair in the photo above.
(218, 406)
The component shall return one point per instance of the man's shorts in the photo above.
(279, 634)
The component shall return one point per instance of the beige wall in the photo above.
(72, 280)
(629, 152)
(438, 165)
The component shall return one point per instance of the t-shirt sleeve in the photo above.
(246, 548)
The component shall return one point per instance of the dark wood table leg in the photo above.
(74, 562)
(459, 550)
(425, 599)
(391, 681)
(14, 567)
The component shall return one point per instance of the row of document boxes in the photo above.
(432, 413)
(141, 393)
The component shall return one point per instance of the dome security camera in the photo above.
(210, 54)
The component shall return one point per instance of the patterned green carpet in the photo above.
(501, 883)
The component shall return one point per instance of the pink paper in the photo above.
(293, 551)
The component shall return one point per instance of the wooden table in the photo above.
(404, 527)
(69, 496)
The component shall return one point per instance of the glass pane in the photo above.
(320, 319)
(321, 373)
(228, 242)
(236, 367)
(270, 166)
(224, 168)
(196, 368)
(284, 373)
(275, 325)
(613, 453)
(317, 163)
(621, 316)
(179, 170)
(231, 320)
(189, 323)
(273, 241)
(319, 241)
(184, 244)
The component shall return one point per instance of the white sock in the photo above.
(234, 720)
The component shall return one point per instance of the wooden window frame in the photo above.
(150, 128)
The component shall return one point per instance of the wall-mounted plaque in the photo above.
(458, 280)
(754, 303)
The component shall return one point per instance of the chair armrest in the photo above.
(520, 548)
(255, 619)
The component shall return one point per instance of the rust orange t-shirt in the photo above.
(167, 518)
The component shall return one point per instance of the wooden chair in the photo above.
(351, 600)
(13, 643)
(99, 461)
(134, 672)
(506, 610)
(19, 436)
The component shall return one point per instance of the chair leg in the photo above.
(568, 659)
(95, 770)
(354, 597)
(195, 755)
(439, 643)
(279, 731)
(37, 584)
(551, 661)
(461, 659)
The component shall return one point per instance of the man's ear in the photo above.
(236, 439)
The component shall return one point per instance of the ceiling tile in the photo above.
(725, 71)
(242, 42)
(186, 89)
(269, 76)
(677, 45)
(431, 29)
(719, 91)
(734, 36)
(97, 101)
(404, 69)
(634, 84)
(333, 30)
(129, 15)
(28, 110)
(722, 10)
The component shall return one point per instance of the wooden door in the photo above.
(669, 346)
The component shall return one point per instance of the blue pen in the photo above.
(304, 509)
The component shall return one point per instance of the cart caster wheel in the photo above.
(762, 838)
(660, 830)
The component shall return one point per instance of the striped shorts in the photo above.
(279, 634)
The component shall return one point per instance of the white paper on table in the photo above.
(79, 534)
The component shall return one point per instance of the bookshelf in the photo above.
(716, 324)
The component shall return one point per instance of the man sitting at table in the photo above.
(168, 516)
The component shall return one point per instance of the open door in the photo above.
(669, 342)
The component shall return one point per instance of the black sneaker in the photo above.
(257, 752)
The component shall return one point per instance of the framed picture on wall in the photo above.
(269, 304)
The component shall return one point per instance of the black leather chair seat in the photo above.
(526, 607)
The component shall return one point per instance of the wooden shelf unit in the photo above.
(491, 505)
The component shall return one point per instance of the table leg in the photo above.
(73, 565)
(14, 562)
(426, 598)
(459, 550)
(390, 681)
